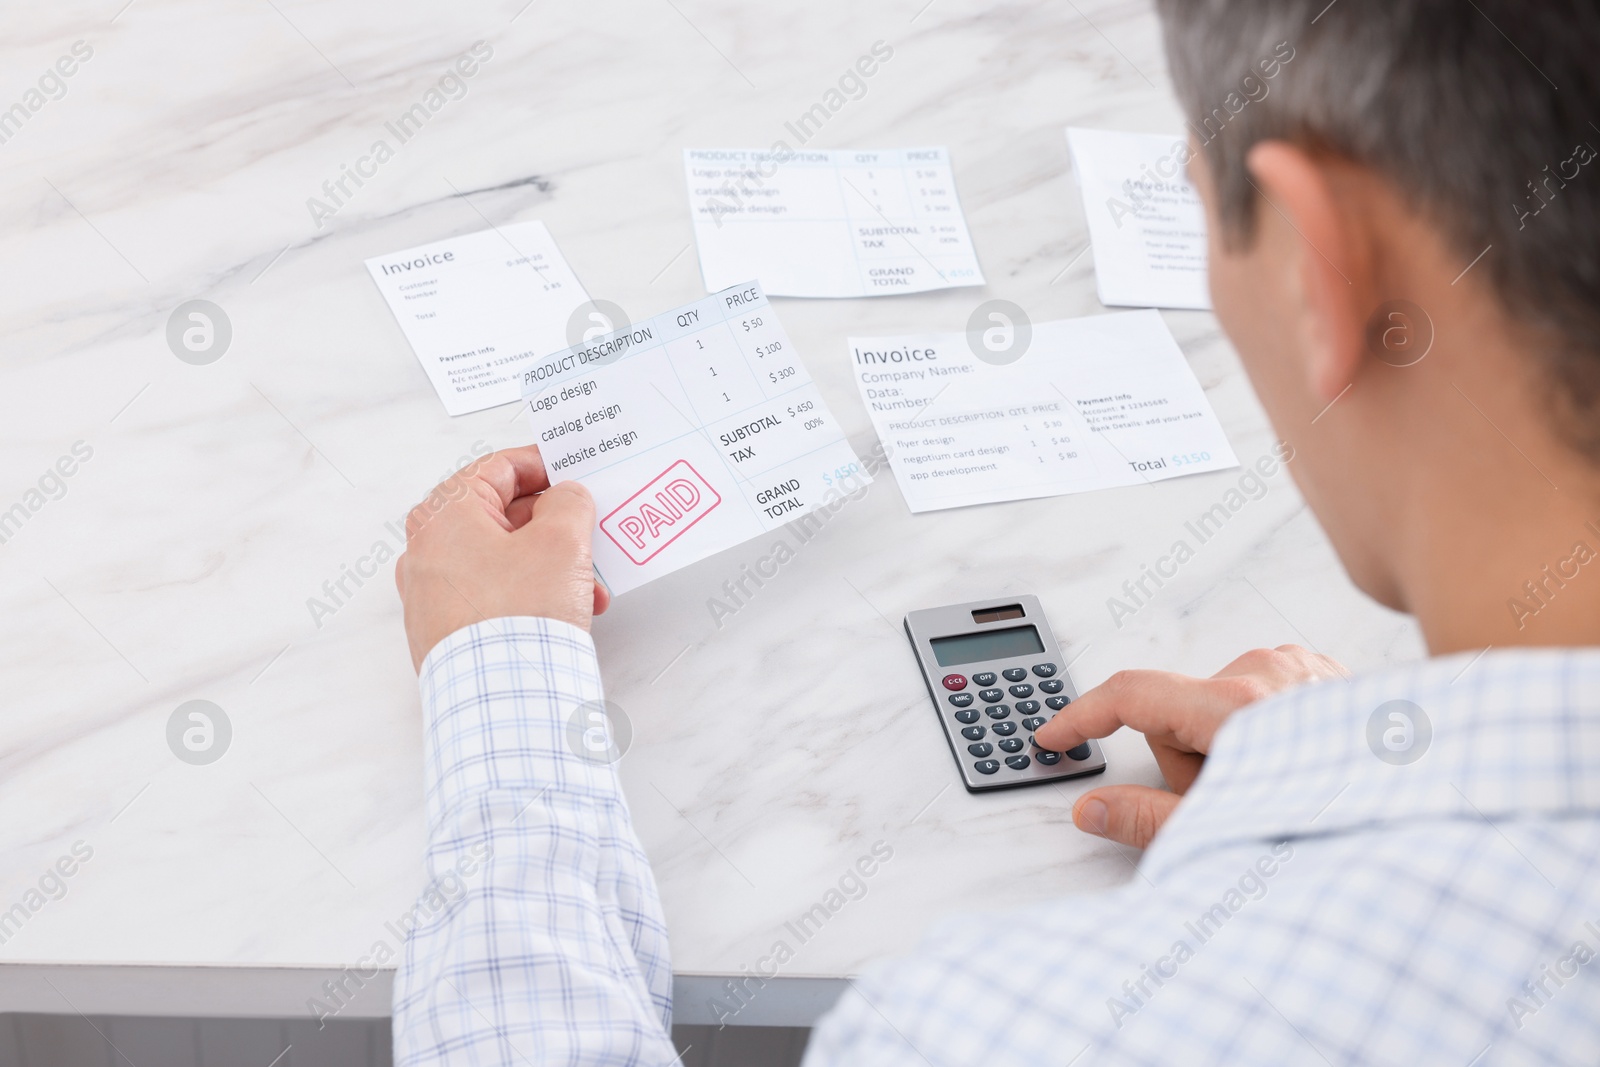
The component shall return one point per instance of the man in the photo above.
(1398, 868)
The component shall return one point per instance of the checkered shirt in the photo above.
(1339, 887)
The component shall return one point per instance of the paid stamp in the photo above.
(661, 512)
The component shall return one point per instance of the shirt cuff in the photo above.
(506, 705)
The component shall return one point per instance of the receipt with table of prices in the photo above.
(694, 431)
(1145, 220)
(477, 307)
(1092, 403)
(829, 224)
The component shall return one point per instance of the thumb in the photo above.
(1129, 814)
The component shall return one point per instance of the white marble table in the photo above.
(769, 753)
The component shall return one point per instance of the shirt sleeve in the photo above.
(539, 937)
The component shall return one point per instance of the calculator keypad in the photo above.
(972, 697)
(1077, 752)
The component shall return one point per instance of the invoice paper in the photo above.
(1092, 403)
(1145, 219)
(694, 431)
(829, 223)
(476, 308)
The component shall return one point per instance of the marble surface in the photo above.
(769, 753)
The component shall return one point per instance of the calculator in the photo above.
(994, 672)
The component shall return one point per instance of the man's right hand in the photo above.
(1179, 716)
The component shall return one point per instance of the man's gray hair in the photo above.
(1480, 112)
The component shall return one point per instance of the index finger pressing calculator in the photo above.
(992, 667)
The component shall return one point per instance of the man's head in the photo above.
(1442, 153)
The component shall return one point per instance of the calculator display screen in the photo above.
(991, 644)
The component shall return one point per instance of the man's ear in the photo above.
(1331, 261)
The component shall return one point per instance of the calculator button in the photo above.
(1081, 752)
(998, 711)
(1027, 707)
(1033, 723)
(955, 681)
(1004, 729)
(1017, 763)
(1049, 759)
(1010, 744)
(982, 748)
(968, 716)
(1020, 691)
(961, 700)
(1054, 685)
(984, 678)
(1045, 670)
(987, 766)
(1014, 674)
(974, 733)
(991, 696)
(1057, 703)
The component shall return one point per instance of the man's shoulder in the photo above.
(1511, 734)
(1378, 902)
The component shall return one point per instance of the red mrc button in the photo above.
(661, 512)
